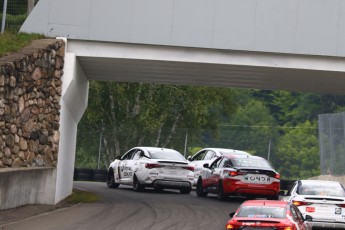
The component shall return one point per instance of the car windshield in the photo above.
(321, 190)
(167, 155)
(262, 212)
(251, 162)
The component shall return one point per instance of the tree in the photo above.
(297, 155)
(134, 114)
(290, 108)
(250, 128)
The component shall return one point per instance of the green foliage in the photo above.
(79, 196)
(13, 42)
(133, 114)
(290, 108)
(298, 152)
(14, 22)
(15, 7)
(87, 154)
(194, 150)
(249, 129)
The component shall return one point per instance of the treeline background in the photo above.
(277, 125)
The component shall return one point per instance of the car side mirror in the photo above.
(141, 154)
(308, 218)
(206, 165)
(232, 214)
(189, 158)
(118, 158)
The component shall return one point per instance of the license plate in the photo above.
(257, 179)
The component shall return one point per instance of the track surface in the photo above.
(123, 208)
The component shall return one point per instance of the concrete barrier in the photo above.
(23, 186)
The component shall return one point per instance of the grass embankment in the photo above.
(10, 42)
(79, 196)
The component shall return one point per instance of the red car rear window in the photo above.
(262, 212)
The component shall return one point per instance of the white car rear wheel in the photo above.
(137, 186)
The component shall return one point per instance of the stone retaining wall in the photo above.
(30, 91)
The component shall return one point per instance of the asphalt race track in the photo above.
(125, 209)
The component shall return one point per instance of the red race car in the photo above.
(239, 175)
(268, 214)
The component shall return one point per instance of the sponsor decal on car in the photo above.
(337, 211)
(258, 179)
(127, 173)
(125, 168)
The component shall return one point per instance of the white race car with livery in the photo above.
(323, 200)
(160, 168)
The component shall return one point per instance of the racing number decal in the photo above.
(127, 171)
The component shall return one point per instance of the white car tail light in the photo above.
(190, 168)
(152, 165)
(235, 173)
(300, 203)
(341, 205)
(277, 176)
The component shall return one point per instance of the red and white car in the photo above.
(268, 214)
(207, 155)
(239, 175)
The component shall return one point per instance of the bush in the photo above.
(14, 22)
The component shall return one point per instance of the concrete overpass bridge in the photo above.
(294, 45)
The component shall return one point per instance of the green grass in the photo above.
(10, 42)
(79, 196)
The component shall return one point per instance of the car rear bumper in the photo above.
(327, 225)
(240, 188)
(171, 184)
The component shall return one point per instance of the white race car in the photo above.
(206, 156)
(323, 200)
(155, 167)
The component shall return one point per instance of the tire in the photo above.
(274, 197)
(84, 175)
(137, 187)
(99, 175)
(185, 190)
(75, 174)
(110, 180)
(200, 190)
(158, 189)
(251, 197)
(220, 192)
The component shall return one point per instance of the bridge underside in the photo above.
(205, 67)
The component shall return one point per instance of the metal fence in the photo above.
(14, 13)
(258, 140)
(332, 143)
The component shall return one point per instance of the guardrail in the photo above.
(100, 175)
